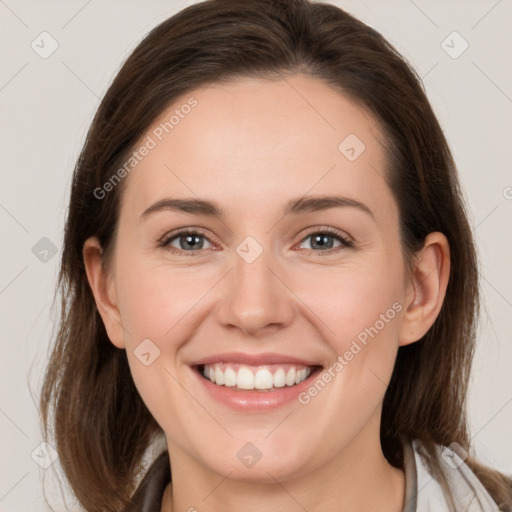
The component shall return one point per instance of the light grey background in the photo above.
(47, 105)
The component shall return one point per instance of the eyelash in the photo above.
(345, 241)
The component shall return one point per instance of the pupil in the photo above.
(320, 240)
(190, 240)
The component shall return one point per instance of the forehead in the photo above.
(251, 139)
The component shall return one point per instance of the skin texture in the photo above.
(251, 145)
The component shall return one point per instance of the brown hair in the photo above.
(101, 426)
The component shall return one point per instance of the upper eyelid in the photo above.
(185, 231)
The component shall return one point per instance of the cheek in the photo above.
(158, 309)
(155, 300)
(361, 310)
(354, 300)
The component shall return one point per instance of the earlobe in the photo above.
(427, 288)
(103, 289)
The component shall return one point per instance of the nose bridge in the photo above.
(255, 299)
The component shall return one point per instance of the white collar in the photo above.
(424, 493)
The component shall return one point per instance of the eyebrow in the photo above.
(296, 206)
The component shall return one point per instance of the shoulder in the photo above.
(469, 494)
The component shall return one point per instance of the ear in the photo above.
(102, 285)
(426, 288)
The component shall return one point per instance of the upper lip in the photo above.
(253, 359)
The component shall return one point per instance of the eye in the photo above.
(186, 241)
(324, 241)
(191, 241)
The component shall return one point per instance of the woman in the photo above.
(282, 377)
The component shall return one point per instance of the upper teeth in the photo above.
(262, 377)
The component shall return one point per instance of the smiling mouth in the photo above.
(266, 378)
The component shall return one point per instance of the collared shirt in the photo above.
(423, 492)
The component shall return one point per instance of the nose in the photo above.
(256, 299)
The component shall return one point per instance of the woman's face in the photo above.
(301, 271)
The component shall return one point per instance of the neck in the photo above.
(358, 478)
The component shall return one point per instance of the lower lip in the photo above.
(255, 401)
